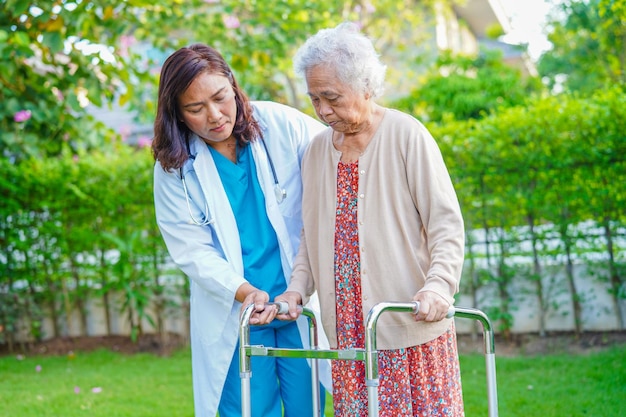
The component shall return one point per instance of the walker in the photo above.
(369, 355)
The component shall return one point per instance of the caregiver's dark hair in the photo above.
(171, 135)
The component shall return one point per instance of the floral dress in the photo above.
(421, 380)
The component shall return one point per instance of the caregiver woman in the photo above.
(227, 193)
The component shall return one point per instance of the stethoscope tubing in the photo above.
(279, 192)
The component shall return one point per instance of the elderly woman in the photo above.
(381, 223)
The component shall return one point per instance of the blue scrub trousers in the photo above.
(276, 382)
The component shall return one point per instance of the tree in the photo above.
(589, 45)
(468, 87)
(59, 56)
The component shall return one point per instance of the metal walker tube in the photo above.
(369, 355)
(490, 354)
(245, 372)
(246, 351)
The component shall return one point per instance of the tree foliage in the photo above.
(557, 160)
(468, 87)
(589, 45)
(60, 56)
(57, 58)
(545, 162)
(555, 164)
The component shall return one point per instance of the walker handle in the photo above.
(449, 315)
(283, 307)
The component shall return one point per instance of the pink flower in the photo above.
(125, 131)
(369, 8)
(127, 40)
(22, 116)
(96, 390)
(144, 141)
(125, 43)
(38, 368)
(76, 390)
(57, 93)
(231, 22)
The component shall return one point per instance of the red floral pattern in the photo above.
(419, 381)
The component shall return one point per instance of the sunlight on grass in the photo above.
(97, 384)
(107, 384)
(550, 386)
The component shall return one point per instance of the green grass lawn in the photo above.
(107, 384)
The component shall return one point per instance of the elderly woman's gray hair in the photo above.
(350, 53)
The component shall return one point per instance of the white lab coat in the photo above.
(211, 255)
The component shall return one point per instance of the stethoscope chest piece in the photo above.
(280, 193)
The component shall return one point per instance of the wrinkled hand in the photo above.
(294, 299)
(262, 314)
(433, 307)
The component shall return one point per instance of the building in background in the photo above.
(470, 27)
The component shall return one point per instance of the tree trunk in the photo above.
(68, 307)
(569, 273)
(537, 277)
(80, 301)
(615, 279)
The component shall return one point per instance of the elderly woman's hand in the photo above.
(294, 300)
(433, 307)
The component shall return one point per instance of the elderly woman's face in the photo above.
(208, 107)
(335, 103)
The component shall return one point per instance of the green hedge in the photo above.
(527, 177)
(74, 228)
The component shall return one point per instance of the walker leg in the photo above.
(492, 394)
(372, 401)
(371, 353)
(245, 372)
(315, 379)
(245, 396)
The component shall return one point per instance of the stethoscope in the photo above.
(279, 192)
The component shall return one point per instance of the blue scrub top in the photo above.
(259, 244)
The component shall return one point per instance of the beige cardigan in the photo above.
(411, 233)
